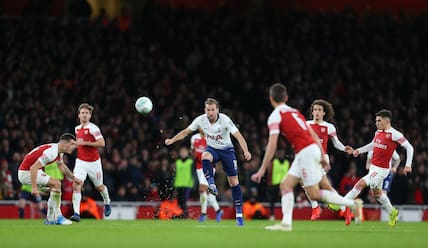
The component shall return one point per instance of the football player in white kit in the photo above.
(88, 161)
(217, 128)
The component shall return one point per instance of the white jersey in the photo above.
(218, 133)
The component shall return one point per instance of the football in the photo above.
(143, 105)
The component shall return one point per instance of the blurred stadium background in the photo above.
(361, 55)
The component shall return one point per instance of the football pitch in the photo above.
(190, 233)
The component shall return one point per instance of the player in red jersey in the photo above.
(307, 163)
(322, 112)
(88, 162)
(385, 141)
(31, 172)
(198, 143)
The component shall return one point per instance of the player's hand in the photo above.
(407, 170)
(356, 153)
(247, 155)
(324, 163)
(35, 191)
(257, 177)
(168, 142)
(349, 150)
(77, 181)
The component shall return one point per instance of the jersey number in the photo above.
(299, 121)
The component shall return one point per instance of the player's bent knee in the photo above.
(207, 156)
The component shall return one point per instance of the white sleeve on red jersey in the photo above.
(398, 137)
(49, 155)
(331, 131)
(273, 122)
(366, 148)
(95, 131)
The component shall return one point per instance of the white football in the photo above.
(143, 105)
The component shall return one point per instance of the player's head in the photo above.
(383, 119)
(85, 112)
(67, 143)
(322, 110)
(211, 109)
(278, 94)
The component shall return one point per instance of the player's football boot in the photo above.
(333, 207)
(316, 213)
(358, 211)
(348, 216)
(279, 227)
(75, 217)
(212, 189)
(239, 221)
(107, 210)
(393, 217)
(49, 222)
(202, 218)
(219, 215)
(61, 220)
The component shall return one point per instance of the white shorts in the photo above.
(306, 165)
(91, 169)
(201, 177)
(374, 179)
(25, 178)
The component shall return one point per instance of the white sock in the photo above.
(105, 196)
(204, 202)
(55, 198)
(287, 204)
(385, 202)
(50, 214)
(212, 200)
(77, 198)
(314, 204)
(332, 197)
(352, 194)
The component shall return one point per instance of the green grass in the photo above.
(190, 233)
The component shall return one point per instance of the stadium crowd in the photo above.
(360, 63)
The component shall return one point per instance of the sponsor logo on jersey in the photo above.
(214, 137)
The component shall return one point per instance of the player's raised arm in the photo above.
(179, 136)
(243, 144)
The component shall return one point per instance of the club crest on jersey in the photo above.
(387, 136)
(85, 132)
(323, 130)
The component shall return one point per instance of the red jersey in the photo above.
(292, 124)
(324, 131)
(384, 144)
(198, 145)
(90, 133)
(45, 154)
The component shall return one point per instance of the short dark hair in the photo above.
(67, 137)
(278, 92)
(328, 108)
(385, 113)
